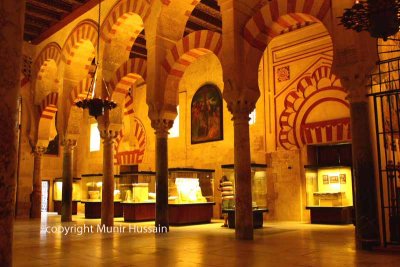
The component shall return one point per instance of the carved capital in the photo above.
(39, 151)
(357, 87)
(108, 135)
(161, 127)
(241, 110)
(69, 145)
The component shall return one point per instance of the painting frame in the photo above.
(206, 110)
(342, 178)
(334, 179)
(325, 179)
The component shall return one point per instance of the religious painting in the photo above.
(325, 179)
(342, 178)
(206, 115)
(333, 179)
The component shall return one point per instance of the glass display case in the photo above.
(329, 193)
(258, 189)
(138, 193)
(57, 194)
(91, 195)
(190, 195)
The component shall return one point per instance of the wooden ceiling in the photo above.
(44, 17)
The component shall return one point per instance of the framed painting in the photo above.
(325, 179)
(342, 178)
(206, 115)
(333, 179)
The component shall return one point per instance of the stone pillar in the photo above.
(11, 28)
(161, 127)
(242, 159)
(67, 180)
(107, 193)
(364, 182)
(36, 195)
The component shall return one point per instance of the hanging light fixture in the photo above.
(97, 106)
(378, 17)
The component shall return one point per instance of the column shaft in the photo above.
(107, 194)
(162, 180)
(367, 223)
(11, 28)
(243, 199)
(36, 196)
(67, 179)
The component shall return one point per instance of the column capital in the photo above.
(241, 109)
(39, 150)
(357, 87)
(69, 144)
(108, 134)
(161, 127)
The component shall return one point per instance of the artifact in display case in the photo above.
(258, 189)
(329, 193)
(190, 195)
(91, 195)
(57, 195)
(138, 191)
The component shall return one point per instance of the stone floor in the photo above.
(276, 245)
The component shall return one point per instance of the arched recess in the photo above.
(122, 26)
(308, 117)
(45, 72)
(131, 141)
(275, 18)
(47, 111)
(78, 53)
(130, 145)
(184, 53)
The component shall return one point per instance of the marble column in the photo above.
(242, 160)
(11, 28)
(161, 130)
(367, 222)
(107, 193)
(67, 180)
(36, 195)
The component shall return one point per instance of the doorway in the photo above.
(45, 196)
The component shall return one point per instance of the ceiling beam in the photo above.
(51, 5)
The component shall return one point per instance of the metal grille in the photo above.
(385, 92)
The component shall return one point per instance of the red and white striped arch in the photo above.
(85, 31)
(190, 48)
(277, 17)
(79, 92)
(311, 91)
(119, 13)
(128, 105)
(127, 74)
(47, 111)
(52, 51)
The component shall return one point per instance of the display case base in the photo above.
(193, 213)
(58, 206)
(331, 215)
(93, 209)
(134, 212)
(258, 219)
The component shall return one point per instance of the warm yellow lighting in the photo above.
(174, 131)
(252, 117)
(94, 138)
(189, 190)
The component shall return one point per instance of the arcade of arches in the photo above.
(288, 64)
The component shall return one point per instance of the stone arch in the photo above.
(126, 75)
(51, 51)
(47, 111)
(119, 13)
(136, 133)
(322, 86)
(275, 18)
(189, 48)
(184, 53)
(85, 30)
(79, 92)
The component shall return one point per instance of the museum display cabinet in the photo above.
(329, 194)
(259, 193)
(91, 196)
(138, 194)
(191, 195)
(57, 195)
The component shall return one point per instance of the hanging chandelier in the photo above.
(97, 106)
(378, 17)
